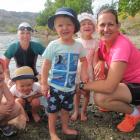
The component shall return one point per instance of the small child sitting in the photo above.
(26, 91)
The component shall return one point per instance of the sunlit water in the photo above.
(5, 39)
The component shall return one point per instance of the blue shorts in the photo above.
(60, 100)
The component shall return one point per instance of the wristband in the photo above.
(81, 85)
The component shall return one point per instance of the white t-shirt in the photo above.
(35, 89)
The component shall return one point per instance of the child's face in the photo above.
(64, 27)
(87, 27)
(1, 75)
(24, 86)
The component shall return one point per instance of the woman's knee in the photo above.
(100, 99)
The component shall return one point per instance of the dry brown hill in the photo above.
(11, 19)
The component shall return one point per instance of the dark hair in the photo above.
(106, 9)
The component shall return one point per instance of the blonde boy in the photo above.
(60, 67)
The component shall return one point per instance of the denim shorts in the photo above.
(135, 92)
(60, 100)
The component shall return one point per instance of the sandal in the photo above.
(8, 130)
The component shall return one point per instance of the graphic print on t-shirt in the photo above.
(64, 69)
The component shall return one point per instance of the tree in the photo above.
(50, 8)
(46, 13)
(129, 7)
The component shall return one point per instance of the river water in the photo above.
(6, 38)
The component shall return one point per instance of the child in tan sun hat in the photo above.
(26, 91)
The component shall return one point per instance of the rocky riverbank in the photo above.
(100, 126)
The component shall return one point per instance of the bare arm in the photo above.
(44, 76)
(114, 77)
(7, 102)
(8, 95)
(95, 58)
(7, 71)
(84, 70)
(30, 98)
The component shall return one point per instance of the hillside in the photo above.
(10, 19)
(131, 25)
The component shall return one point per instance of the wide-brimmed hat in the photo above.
(67, 12)
(23, 72)
(25, 26)
(84, 16)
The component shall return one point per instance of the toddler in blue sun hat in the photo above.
(59, 69)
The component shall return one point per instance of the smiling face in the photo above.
(87, 28)
(64, 28)
(24, 37)
(24, 86)
(107, 27)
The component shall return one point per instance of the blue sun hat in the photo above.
(67, 12)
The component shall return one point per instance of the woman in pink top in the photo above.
(121, 87)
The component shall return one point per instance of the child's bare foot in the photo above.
(83, 117)
(74, 116)
(36, 117)
(55, 137)
(69, 131)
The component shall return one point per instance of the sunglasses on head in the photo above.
(22, 28)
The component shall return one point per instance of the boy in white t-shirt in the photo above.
(26, 91)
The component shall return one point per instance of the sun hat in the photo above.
(88, 16)
(23, 72)
(67, 12)
(25, 26)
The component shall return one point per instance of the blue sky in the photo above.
(22, 5)
(99, 3)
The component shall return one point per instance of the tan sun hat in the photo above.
(23, 72)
